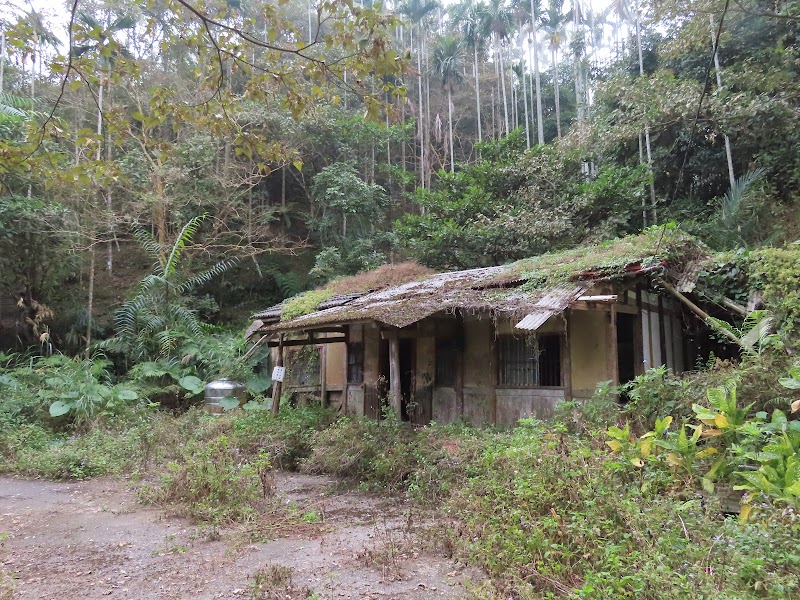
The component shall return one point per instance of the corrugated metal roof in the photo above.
(555, 301)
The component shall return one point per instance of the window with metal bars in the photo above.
(355, 362)
(446, 361)
(531, 361)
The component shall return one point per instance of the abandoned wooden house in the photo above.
(497, 344)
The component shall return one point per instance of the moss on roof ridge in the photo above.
(383, 277)
(664, 242)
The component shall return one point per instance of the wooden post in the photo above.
(493, 369)
(277, 386)
(662, 332)
(613, 357)
(638, 336)
(323, 375)
(395, 393)
(566, 358)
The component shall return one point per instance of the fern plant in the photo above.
(152, 324)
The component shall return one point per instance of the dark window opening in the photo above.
(355, 363)
(550, 360)
(446, 360)
(529, 361)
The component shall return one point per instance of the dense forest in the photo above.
(320, 140)
(170, 167)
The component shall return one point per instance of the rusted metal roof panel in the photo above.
(688, 279)
(554, 301)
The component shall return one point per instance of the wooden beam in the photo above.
(402, 334)
(638, 339)
(698, 311)
(728, 303)
(395, 393)
(599, 298)
(662, 331)
(309, 342)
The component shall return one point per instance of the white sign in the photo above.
(278, 373)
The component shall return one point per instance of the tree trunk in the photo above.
(653, 213)
(420, 119)
(450, 127)
(503, 82)
(3, 58)
(555, 91)
(477, 90)
(728, 153)
(525, 98)
(90, 296)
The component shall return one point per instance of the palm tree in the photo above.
(42, 37)
(470, 17)
(416, 11)
(554, 23)
(448, 64)
(535, 21)
(522, 15)
(498, 23)
(622, 10)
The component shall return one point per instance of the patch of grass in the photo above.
(274, 582)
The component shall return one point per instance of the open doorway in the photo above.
(408, 361)
(407, 354)
(626, 347)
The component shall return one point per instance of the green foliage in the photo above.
(348, 221)
(547, 515)
(34, 244)
(513, 204)
(778, 474)
(80, 390)
(289, 437)
(776, 271)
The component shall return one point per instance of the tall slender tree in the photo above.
(535, 22)
(416, 11)
(499, 25)
(469, 16)
(448, 64)
(554, 23)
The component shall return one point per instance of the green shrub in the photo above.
(547, 515)
(287, 438)
(215, 483)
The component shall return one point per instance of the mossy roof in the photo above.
(549, 281)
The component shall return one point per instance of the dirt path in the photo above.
(91, 540)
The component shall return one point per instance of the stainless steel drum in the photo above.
(219, 389)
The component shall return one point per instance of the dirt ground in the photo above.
(91, 539)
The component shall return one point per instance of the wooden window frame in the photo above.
(446, 347)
